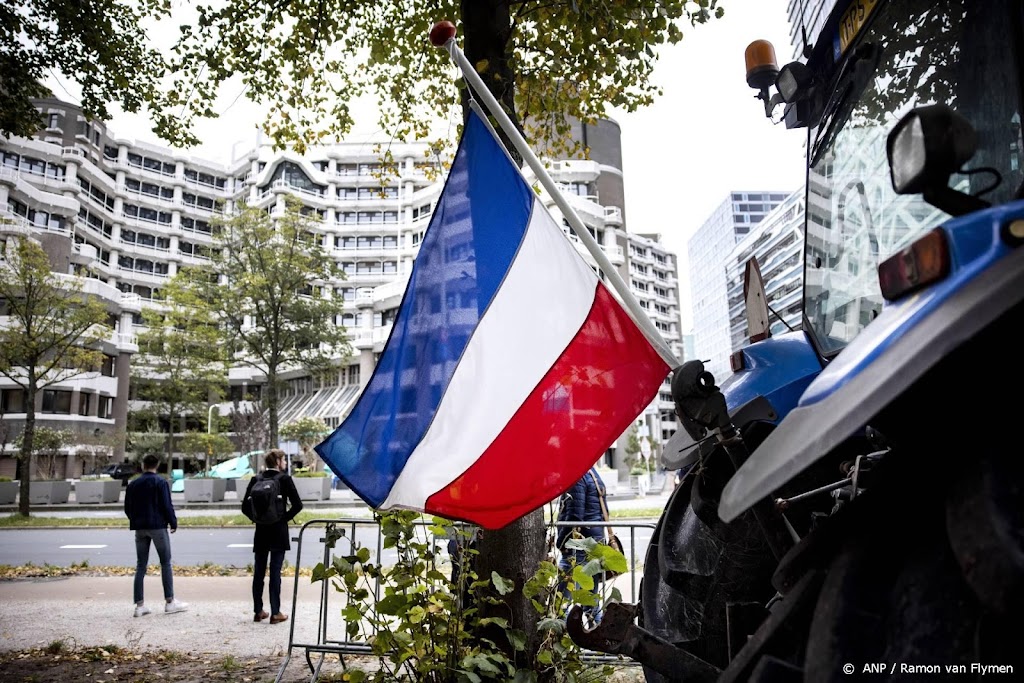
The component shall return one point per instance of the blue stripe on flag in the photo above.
(473, 236)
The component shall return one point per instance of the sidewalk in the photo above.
(96, 611)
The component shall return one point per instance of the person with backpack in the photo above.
(271, 501)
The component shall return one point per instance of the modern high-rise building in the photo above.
(707, 250)
(806, 19)
(133, 213)
(777, 244)
(653, 281)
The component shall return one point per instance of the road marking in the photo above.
(239, 545)
(82, 547)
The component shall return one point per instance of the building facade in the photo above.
(806, 19)
(92, 407)
(135, 213)
(777, 244)
(707, 251)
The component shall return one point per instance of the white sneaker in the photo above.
(175, 606)
(142, 610)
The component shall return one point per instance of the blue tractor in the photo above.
(854, 502)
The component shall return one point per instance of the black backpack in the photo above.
(265, 501)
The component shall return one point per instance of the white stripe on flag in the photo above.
(544, 300)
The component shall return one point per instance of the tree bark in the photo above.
(27, 445)
(169, 454)
(272, 406)
(487, 33)
(515, 551)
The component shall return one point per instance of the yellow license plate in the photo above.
(853, 19)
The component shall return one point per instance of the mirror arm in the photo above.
(953, 202)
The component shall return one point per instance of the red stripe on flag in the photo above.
(605, 377)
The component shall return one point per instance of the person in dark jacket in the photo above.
(147, 503)
(581, 503)
(272, 539)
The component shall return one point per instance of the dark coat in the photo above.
(274, 536)
(147, 503)
(582, 503)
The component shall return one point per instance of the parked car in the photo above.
(121, 470)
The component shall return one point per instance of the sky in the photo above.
(706, 135)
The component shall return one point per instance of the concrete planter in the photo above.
(8, 492)
(238, 485)
(48, 492)
(98, 491)
(204, 490)
(640, 484)
(313, 488)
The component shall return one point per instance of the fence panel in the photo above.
(342, 536)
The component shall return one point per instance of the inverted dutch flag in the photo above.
(510, 368)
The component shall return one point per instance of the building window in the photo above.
(55, 401)
(53, 121)
(83, 403)
(108, 369)
(353, 374)
(12, 401)
(105, 408)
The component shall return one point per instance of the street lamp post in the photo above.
(209, 419)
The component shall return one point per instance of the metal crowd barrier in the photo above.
(343, 530)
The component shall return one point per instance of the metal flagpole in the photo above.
(446, 39)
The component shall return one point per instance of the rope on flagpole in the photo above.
(443, 35)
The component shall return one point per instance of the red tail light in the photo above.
(922, 263)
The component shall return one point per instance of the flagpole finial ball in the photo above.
(441, 33)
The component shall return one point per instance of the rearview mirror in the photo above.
(926, 147)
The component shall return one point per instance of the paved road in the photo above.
(195, 546)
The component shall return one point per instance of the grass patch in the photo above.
(229, 663)
(637, 513)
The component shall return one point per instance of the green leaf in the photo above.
(321, 573)
(501, 585)
(581, 577)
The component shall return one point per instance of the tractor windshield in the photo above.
(911, 53)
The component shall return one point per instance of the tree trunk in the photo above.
(272, 406)
(169, 455)
(487, 31)
(515, 551)
(27, 445)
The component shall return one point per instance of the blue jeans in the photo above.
(259, 572)
(162, 540)
(570, 559)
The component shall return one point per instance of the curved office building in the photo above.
(133, 213)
